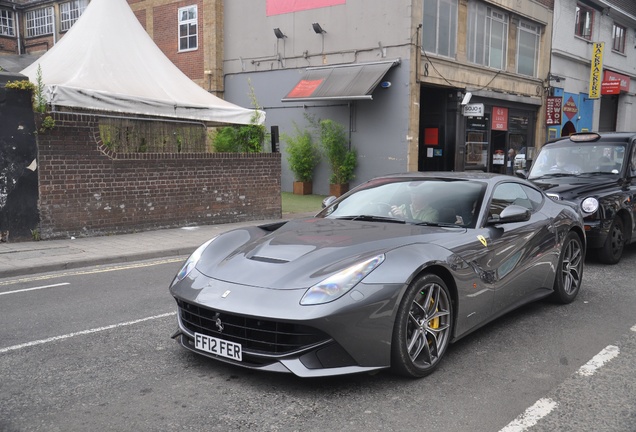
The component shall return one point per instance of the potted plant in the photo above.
(303, 157)
(343, 160)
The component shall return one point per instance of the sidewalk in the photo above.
(26, 258)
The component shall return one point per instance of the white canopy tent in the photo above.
(108, 62)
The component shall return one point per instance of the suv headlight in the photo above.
(339, 284)
(589, 205)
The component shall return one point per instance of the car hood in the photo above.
(571, 188)
(302, 253)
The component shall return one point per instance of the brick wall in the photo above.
(165, 21)
(87, 190)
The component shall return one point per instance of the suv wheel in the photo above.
(612, 250)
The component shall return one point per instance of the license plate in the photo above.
(219, 347)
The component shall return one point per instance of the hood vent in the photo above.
(269, 260)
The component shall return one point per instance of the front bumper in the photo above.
(349, 335)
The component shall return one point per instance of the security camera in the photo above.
(466, 99)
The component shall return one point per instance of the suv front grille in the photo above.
(256, 335)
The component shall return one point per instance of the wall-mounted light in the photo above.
(318, 29)
(279, 34)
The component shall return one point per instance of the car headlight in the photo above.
(191, 262)
(589, 205)
(339, 284)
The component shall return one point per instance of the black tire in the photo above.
(569, 276)
(612, 250)
(423, 327)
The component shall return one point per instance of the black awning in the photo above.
(347, 82)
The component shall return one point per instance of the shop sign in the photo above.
(570, 109)
(614, 76)
(499, 119)
(596, 69)
(474, 110)
(610, 87)
(553, 110)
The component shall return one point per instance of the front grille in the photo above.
(255, 335)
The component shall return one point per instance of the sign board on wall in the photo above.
(596, 70)
(553, 110)
(499, 119)
(610, 87)
(473, 110)
(624, 80)
(276, 7)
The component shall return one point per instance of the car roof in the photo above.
(450, 175)
(604, 137)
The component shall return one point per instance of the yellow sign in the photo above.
(482, 239)
(596, 70)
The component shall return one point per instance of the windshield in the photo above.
(577, 159)
(444, 202)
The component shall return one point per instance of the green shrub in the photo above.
(303, 156)
(342, 159)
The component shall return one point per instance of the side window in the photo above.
(632, 165)
(535, 197)
(506, 194)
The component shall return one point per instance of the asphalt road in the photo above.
(90, 350)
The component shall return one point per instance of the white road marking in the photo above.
(607, 354)
(531, 416)
(92, 271)
(633, 329)
(83, 332)
(35, 288)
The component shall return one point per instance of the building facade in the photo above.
(418, 84)
(188, 32)
(593, 71)
(460, 82)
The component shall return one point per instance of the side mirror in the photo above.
(327, 201)
(522, 173)
(512, 213)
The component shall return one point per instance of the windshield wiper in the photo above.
(598, 173)
(549, 175)
(438, 224)
(372, 218)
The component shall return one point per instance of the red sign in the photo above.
(277, 7)
(499, 119)
(614, 76)
(305, 88)
(553, 110)
(431, 136)
(570, 109)
(610, 87)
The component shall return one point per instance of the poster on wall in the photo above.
(277, 7)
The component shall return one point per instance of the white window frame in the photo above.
(618, 41)
(439, 34)
(39, 22)
(7, 23)
(70, 12)
(533, 30)
(187, 22)
(480, 22)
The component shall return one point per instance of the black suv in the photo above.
(597, 172)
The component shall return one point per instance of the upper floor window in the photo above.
(618, 38)
(528, 49)
(487, 36)
(70, 12)
(39, 22)
(6, 23)
(584, 19)
(188, 26)
(439, 28)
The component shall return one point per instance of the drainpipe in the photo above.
(54, 29)
(17, 23)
